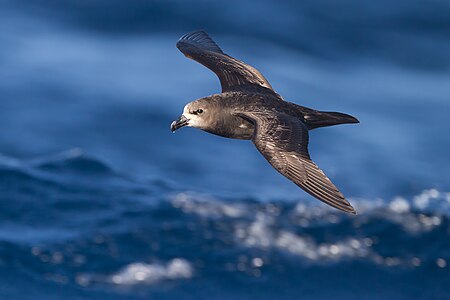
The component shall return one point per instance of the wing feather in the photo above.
(233, 74)
(283, 141)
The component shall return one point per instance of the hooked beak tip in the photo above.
(172, 126)
(177, 124)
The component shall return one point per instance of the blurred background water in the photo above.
(98, 200)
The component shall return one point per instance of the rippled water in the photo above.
(98, 200)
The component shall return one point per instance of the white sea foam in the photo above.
(260, 234)
(206, 206)
(261, 227)
(137, 273)
(399, 205)
(142, 273)
(424, 199)
(422, 213)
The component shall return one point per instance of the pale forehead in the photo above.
(192, 106)
(188, 107)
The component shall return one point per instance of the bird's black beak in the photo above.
(181, 122)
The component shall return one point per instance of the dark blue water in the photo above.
(98, 200)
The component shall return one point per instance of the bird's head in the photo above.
(195, 114)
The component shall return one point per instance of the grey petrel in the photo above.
(249, 109)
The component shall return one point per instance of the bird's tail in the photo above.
(315, 119)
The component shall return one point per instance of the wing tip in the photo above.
(334, 198)
(198, 38)
(344, 206)
(348, 208)
(320, 186)
(192, 34)
(351, 210)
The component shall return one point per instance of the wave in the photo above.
(65, 168)
(296, 228)
(190, 235)
(114, 232)
(73, 161)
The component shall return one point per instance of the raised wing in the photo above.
(283, 141)
(233, 74)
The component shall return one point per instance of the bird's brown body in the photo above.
(230, 125)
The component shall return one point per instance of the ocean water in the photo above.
(99, 200)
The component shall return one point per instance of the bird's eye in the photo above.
(199, 111)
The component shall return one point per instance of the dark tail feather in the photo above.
(316, 119)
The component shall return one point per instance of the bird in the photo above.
(248, 108)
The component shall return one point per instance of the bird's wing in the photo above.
(283, 141)
(233, 74)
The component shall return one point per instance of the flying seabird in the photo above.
(249, 109)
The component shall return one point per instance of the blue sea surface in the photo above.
(99, 200)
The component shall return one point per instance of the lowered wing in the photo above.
(283, 141)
